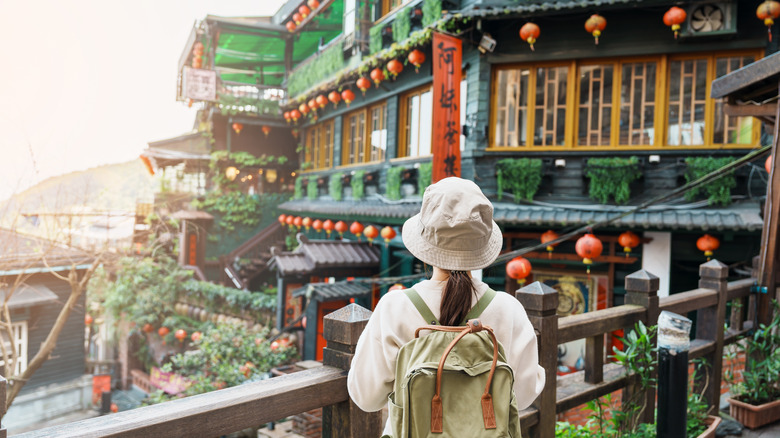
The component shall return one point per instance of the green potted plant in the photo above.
(755, 400)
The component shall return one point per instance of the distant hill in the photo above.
(114, 187)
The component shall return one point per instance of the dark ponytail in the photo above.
(456, 300)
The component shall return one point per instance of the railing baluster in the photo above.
(342, 329)
(594, 359)
(541, 304)
(709, 326)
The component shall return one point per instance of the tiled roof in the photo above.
(740, 216)
(532, 7)
(329, 291)
(313, 255)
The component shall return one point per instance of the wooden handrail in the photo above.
(740, 288)
(585, 325)
(219, 412)
(254, 240)
(685, 302)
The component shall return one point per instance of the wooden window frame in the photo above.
(403, 119)
(660, 128)
(345, 139)
(316, 153)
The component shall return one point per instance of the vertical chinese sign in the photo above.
(446, 106)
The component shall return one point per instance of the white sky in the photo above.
(90, 82)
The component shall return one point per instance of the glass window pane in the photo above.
(550, 121)
(687, 98)
(511, 107)
(595, 105)
(637, 104)
(731, 130)
(426, 123)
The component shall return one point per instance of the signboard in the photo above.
(100, 383)
(170, 383)
(199, 84)
(445, 141)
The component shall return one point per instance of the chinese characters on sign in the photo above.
(445, 142)
(199, 84)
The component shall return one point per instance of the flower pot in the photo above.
(755, 416)
(712, 423)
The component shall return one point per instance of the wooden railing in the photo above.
(253, 404)
(252, 248)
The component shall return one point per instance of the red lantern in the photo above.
(181, 335)
(295, 115)
(290, 26)
(313, 104)
(341, 227)
(363, 84)
(588, 247)
(197, 62)
(289, 221)
(767, 164)
(416, 58)
(371, 233)
(327, 226)
(388, 233)
(196, 336)
(238, 127)
(377, 75)
(356, 228)
(628, 240)
(549, 236)
(768, 12)
(348, 96)
(304, 108)
(298, 221)
(322, 101)
(529, 33)
(163, 331)
(673, 18)
(317, 225)
(88, 319)
(282, 218)
(306, 222)
(287, 116)
(148, 328)
(313, 4)
(395, 67)
(595, 25)
(708, 244)
(335, 98)
(266, 130)
(518, 268)
(197, 48)
(304, 10)
(297, 18)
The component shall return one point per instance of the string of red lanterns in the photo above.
(371, 232)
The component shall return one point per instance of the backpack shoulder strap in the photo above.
(421, 306)
(481, 305)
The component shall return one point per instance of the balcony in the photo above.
(258, 100)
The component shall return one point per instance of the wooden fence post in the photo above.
(642, 290)
(341, 329)
(541, 304)
(709, 326)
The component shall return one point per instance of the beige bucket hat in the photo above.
(454, 229)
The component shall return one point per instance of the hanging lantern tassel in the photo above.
(595, 25)
(529, 33)
(768, 11)
(628, 240)
(549, 236)
(673, 18)
(708, 244)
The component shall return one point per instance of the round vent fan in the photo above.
(707, 18)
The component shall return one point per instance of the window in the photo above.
(416, 123)
(319, 145)
(350, 17)
(19, 342)
(626, 103)
(390, 5)
(365, 135)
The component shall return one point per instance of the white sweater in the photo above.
(394, 321)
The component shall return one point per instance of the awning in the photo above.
(28, 296)
(331, 291)
(181, 149)
(327, 257)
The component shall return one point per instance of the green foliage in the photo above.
(305, 76)
(610, 177)
(311, 189)
(638, 358)
(393, 185)
(424, 177)
(521, 176)
(697, 405)
(358, 187)
(335, 185)
(402, 25)
(375, 38)
(298, 192)
(431, 12)
(232, 209)
(718, 191)
(218, 298)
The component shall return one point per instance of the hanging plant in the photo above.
(375, 38)
(431, 12)
(520, 176)
(298, 191)
(335, 185)
(424, 177)
(311, 189)
(393, 191)
(610, 177)
(718, 191)
(358, 187)
(402, 25)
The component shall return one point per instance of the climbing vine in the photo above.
(311, 189)
(520, 176)
(424, 176)
(298, 191)
(610, 177)
(358, 187)
(402, 25)
(328, 62)
(431, 12)
(375, 38)
(335, 185)
(393, 190)
(718, 191)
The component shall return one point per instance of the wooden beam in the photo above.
(765, 110)
(575, 258)
(771, 231)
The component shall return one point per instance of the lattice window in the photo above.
(637, 103)
(512, 107)
(595, 105)
(378, 134)
(726, 129)
(550, 110)
(416, 123)
(687, 102)
(365, 135)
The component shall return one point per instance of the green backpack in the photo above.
(453, 382)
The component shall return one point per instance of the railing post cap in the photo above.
(345, 325)
(713, 269)
(642, 281)
(538, 296)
